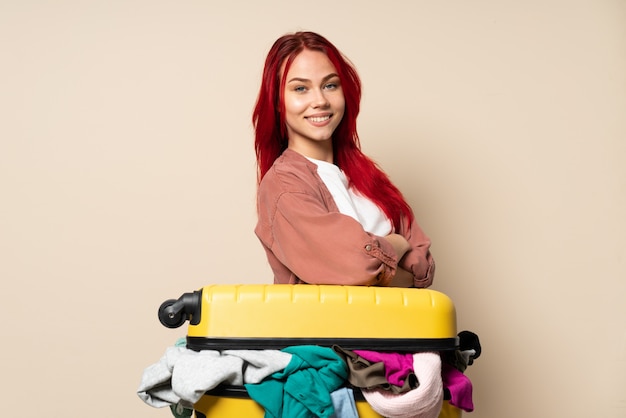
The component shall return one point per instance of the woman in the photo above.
(327, 213)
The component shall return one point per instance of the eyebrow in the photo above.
(306, 80)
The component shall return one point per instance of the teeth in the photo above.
(319, 119)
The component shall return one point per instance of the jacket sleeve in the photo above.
(418, 260)
(326, 248)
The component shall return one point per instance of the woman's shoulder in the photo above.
(291, 172)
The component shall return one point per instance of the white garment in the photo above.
(423, 402)
(182, 375)
(350, 202)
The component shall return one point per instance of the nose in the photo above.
(319, 100)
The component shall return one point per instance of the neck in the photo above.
(317, 151)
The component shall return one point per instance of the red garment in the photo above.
(307, 239)
(459, 386)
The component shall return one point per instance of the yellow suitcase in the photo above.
(277, 316)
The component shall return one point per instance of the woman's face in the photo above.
(314, 104)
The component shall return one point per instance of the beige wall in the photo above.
(127, 177)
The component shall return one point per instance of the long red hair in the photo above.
(271, 131)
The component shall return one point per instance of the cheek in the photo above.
(340, 105)
(292, 112)
(294, 104)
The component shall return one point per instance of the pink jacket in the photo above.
(307, 239)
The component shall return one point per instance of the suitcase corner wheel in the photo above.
(174, 312)
(353, 317)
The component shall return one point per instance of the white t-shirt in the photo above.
(350, 202)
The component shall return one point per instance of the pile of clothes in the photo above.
(316, 381)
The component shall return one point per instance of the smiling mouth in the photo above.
(319, 119)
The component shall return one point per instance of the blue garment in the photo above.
(303, 388)
(343, 402)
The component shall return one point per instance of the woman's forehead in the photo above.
(309, 64)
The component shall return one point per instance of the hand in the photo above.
(399, 243)
(402, 278)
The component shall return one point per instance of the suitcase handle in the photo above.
(174, 312)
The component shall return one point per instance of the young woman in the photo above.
(327, 213)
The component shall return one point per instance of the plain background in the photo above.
(127, 177)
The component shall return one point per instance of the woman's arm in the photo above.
(418, 260)
(321, 247)
(402, 278)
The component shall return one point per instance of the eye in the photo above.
(333, 85)
(299, 89)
